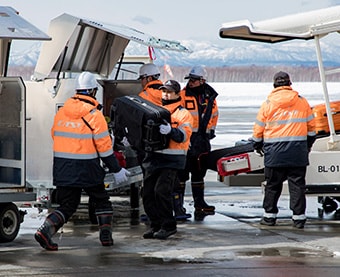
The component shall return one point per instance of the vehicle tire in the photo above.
(9, 222)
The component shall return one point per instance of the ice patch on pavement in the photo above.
(229, 253)
(196, 255)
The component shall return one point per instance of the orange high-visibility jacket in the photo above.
(152, 93)
(202, 105)
(175, 155)
(284, 123)
(197, 107)
(80, 139)
(182, 120)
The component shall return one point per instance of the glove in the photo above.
(258, 145)
(212, 134)
(125, 142)
(121, 176)
(258, 148)
(165, 129)
(259, 152)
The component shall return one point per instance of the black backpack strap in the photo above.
(87, 124)
(205, 120)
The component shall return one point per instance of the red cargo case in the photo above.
(241, 163)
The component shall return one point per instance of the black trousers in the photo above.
(157, 197)
(69, 198)
(275, 176)
(197, 167)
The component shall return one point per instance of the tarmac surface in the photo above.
(229, 243)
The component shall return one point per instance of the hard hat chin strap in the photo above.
(93, 92)
(90, 92)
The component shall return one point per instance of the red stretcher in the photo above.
(241, 163)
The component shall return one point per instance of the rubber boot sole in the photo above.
(205, 210)
(44, 243)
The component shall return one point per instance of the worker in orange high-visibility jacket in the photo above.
(199, 98)
(149, 76)
(285, 129)
(161, 166)
(80, 141)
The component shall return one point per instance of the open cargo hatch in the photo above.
(304, 26)
(84, 45)
(298, 26)
(14, 27)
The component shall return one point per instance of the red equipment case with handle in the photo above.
(321, 120)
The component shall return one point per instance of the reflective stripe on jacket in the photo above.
(283, 123)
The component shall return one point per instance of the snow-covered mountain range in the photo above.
(228, 53)
(224, 53)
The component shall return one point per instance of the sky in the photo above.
(171, 19)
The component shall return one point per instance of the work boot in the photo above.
(199, 215)
(149, 233)
(164, 234)
(180, 211)
(299, 223)
(268, 221)
(44, 234)
(198, 195)
(105, 227)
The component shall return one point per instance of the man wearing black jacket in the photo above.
(199, 99)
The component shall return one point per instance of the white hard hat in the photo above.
(148, 69)
(197, 72)
(85, 81)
